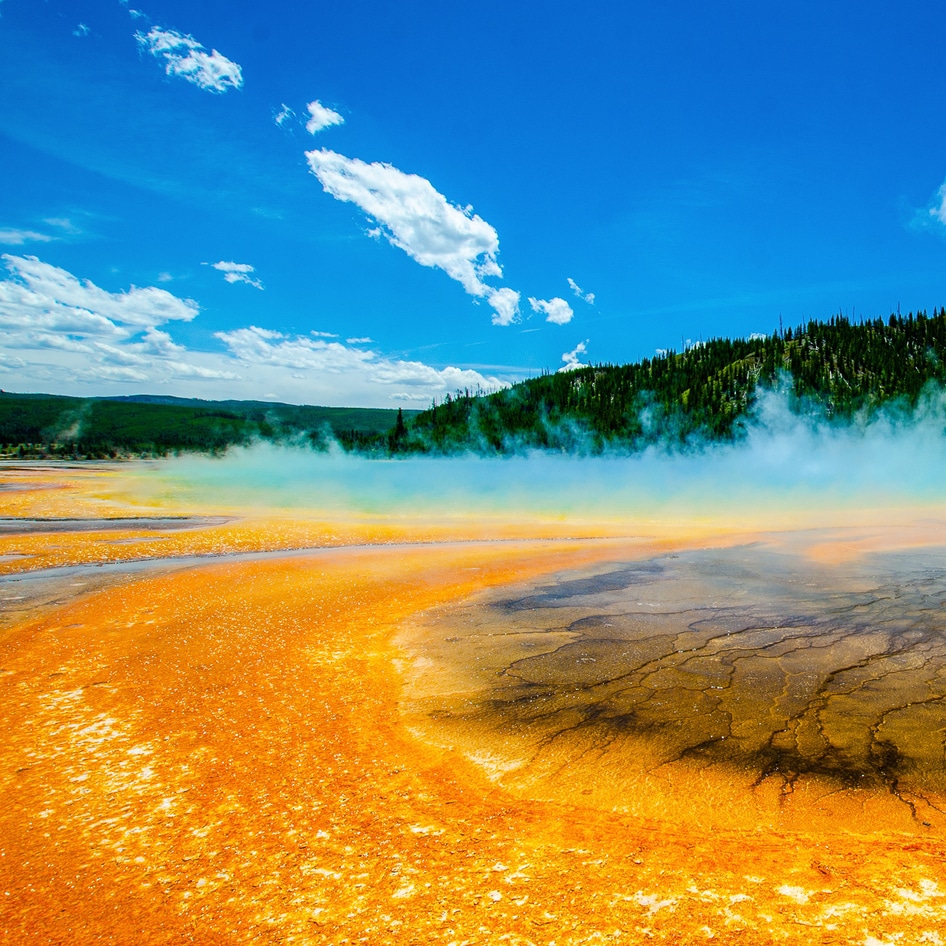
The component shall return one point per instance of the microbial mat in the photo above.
(725, 687)
(307, 707)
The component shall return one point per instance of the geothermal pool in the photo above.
(273, 701)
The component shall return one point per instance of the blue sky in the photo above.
(483, 192)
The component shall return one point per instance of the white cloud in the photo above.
(321, 117)
(19, 237)
(237, 272)
(68, 336)
(43, 297)
(588, 297)
(257, 346)
(505, 303)
(413, 216)
(556, 310)
(415, 396)
(283, 115)
(938, 211)
(418, 374)
(185, 57)
(572, 358)
(72, 329)
(81, 30)
(15, 236)
(63, 223)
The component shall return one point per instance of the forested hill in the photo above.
(704, 393)
(45, 425)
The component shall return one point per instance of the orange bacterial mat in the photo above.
(230, 751)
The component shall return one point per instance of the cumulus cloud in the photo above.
(588, 297)
(320, 116)
(556, 310)
(237, 272)
(90, 333)
(66, 334)
(572, 358)
(413, 216)
(40, 296)
(185, 57)
(505, 303)
(257, 346)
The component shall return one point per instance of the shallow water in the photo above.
(722, 686)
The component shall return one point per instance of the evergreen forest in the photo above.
(44, 425)
(836, 369)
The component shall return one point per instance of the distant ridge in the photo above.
(155, 425)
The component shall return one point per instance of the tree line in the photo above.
(706, 392)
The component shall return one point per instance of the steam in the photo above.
(792, 469)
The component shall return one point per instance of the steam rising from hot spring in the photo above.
(788, 467)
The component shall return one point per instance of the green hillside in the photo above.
(835, 368)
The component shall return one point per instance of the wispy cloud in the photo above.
(413, 216)
(572, 358)
(237, 272)
(588, 297)
(15, 236)
(556, 310)
(935, 211)
(81, 30)
(185, 57)
(283, 114)
(320, 116)
(19, 237)
(64, 224)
